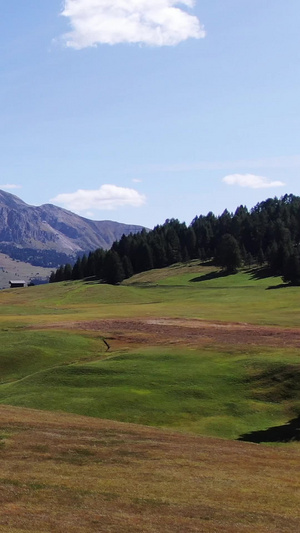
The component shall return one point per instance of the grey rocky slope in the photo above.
(49, 228)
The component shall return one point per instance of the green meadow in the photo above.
(208, 392)
(215, 390)
(188, 292)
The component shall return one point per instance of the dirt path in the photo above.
(188, 332)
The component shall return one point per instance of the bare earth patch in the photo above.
(188, 332)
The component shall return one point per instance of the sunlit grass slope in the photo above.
(181, 291)
(215, 390)
(23, 352)
(210, 392)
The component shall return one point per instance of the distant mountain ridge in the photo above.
(48, 235)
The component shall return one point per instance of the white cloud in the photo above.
(107, 197)
(251, 181)
(136, 180)
(151, 22)
(9, 186)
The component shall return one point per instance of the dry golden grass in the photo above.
(64, 473)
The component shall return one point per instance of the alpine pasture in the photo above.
(167, 371)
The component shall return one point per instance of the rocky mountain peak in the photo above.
(48, 228)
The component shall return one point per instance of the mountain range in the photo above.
(48, 235)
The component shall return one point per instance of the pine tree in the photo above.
(90, 267)
(112, 268)
(84, 266)
(173, 246)
(127, 267)
(59, 275)
(67, 274)
(143, 257)
(228, 254)
(261, 257)
(99, 256)
(191, 243)
(291, 268)
(77, 271)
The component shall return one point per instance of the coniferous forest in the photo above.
(268, 234)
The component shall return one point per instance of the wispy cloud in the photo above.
(136, 180)
(251, 181)
(150, 22)
(107, 197)
(10, 186)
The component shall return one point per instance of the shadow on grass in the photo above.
(279, 286)
(92, 280)
(260, 272)
(264, 272)
(211, 275)
(287, 433)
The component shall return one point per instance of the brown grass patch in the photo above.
(64, 473)
(178, 331)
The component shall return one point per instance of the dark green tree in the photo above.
(143, 257)
(84, 266)
(127, 267)
(173, 246)
(59, 275)
(291, 268)
(112, 268)
(157, 244)
(99, 256)
(67, 274)
(228, 254)
(77, 271)
(261, 257)
(90, 266)
(190, 242)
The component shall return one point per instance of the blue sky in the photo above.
(142, 110)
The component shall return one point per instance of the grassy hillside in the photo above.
(223, 393)
(81, 475)
(196, 292)
(161, 369)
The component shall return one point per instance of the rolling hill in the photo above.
(193, 356)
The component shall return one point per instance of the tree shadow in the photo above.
(264, 272)
(260, 272)
(289, 432)
(211, 275)
(280, 286)
(92, 280)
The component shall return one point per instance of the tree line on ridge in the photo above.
(268, 234)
